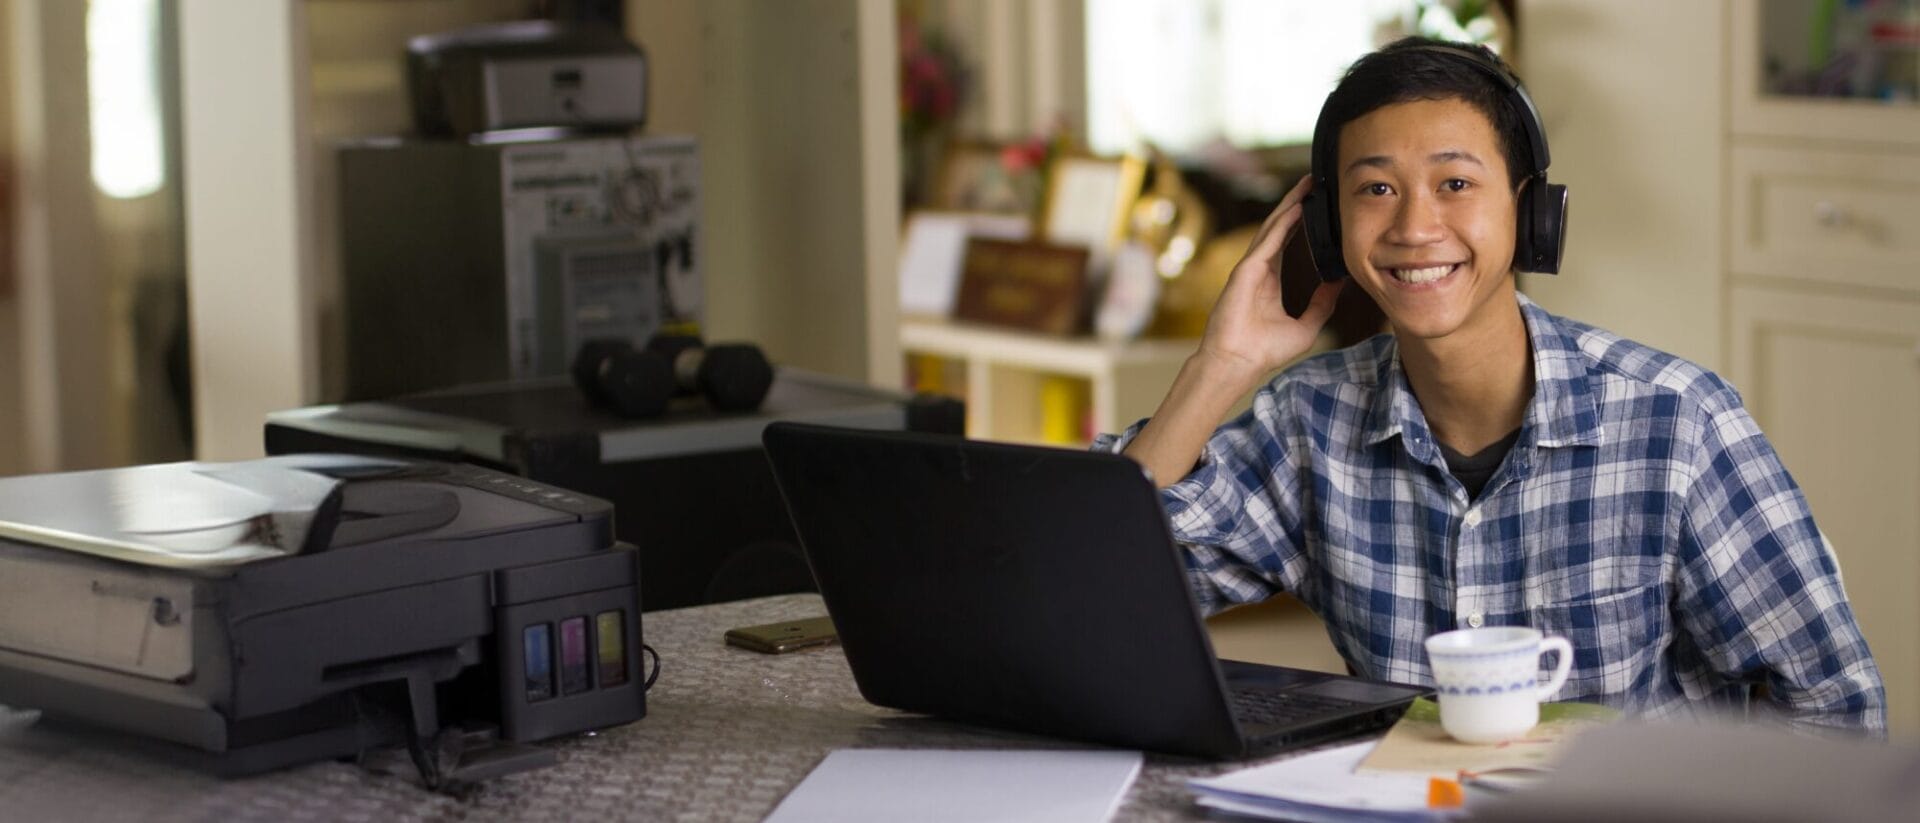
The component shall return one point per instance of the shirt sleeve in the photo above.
(1237, 513)
(1759, 589)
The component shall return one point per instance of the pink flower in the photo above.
(1019, 157)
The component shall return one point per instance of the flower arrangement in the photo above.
(932, 85)
(931, 77)
(1026, 163)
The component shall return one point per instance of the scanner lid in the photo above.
(190, 515)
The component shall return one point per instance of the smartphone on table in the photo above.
(785, 636)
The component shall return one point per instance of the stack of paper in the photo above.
(1389, 779)
(931, 785)
(1322, 786)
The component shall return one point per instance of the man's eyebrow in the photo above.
(1454, 154)
(1378, 161)
(1381, 161)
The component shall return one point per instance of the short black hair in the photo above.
(1414, 68)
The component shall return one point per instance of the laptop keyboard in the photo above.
(1279, 708)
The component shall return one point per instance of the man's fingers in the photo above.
(1299, 190)
(1325, 297)
(1257, 264)
(1293, 196)
(1274, 237)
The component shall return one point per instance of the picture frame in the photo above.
(1023, 284)
(973, 178)
(933, 249)
(1088, 198)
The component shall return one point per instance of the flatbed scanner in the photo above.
(260, 614)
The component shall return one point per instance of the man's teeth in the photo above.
(1425, 275)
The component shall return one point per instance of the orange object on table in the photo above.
(1445, 794)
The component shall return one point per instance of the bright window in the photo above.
(1180, 73)
(123, 91)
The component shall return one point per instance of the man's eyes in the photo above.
(1453, 185)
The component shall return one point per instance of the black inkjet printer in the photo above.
(273, 612)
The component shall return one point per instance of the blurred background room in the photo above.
(1025, 205)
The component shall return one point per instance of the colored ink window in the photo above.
(537, 646)
(610, 632)
(573, 656)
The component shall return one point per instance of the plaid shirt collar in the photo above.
(1563, 411)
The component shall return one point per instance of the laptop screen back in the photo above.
(1029, 588)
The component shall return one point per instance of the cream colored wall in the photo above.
(795, 113)
(1631, 92)
(69, 417)
(82, 338)
(10, 423)
(675, 35)
(10, 448)
(250, 239)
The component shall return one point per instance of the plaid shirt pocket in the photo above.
(1618, 640)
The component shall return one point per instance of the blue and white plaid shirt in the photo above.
(1640, 514)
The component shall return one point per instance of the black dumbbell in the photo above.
(631, 382)
(733, 377)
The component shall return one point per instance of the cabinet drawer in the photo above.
(1829, 216)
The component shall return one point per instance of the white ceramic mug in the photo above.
(1489, 680)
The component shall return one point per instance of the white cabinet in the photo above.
(1823, 272)
(1834, 381)
(1776, 32)
(1829, 214)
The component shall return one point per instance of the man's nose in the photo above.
(1416, 221)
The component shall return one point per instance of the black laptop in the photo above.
(1035, 589)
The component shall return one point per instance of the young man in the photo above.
(1489, 463)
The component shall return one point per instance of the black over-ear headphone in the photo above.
(1541, 213)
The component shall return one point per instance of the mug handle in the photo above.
(1559, 678)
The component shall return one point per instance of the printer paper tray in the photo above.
(112, 616)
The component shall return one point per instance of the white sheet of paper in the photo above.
(935, 248)
(927, 785)
(1326, 778)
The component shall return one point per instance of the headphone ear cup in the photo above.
(1540, 238)
(1524, 222)
(1552, 238)
(1323, 236)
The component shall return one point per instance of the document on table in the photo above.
(1417, 743)
(853, 785)
(1320, 786)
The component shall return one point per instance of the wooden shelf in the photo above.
(1006, 370)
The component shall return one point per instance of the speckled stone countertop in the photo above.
(728, 733)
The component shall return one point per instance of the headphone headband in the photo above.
(1517, 99)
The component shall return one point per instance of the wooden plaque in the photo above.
(1029, 285)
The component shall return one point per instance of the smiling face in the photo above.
(1427, 218)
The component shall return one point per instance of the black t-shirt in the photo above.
(1474, 470)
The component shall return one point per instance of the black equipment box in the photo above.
(465, 263)
(274, 612)
(692, 488)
